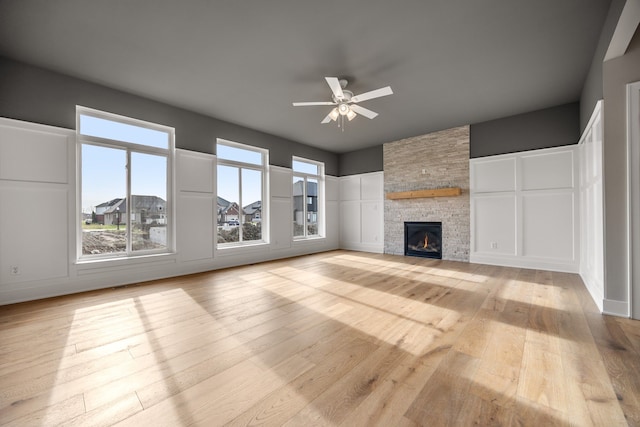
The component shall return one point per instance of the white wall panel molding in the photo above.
(362, 212)
(195, 171)
(37, 180)
(493, 174)
(30, 152)
(524, 209)
(592, 208)
(196, 205)
(493, 224)
(280, 182)
(552, 169)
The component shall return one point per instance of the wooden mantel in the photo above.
(418, 194)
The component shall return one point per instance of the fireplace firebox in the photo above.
(423, 239)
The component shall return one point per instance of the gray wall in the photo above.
(361, 161)
(592, 89)
(551, 127)
(37, 95)
(617, 73)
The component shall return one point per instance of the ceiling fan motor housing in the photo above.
(347, 95)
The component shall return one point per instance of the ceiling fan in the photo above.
(346, 103)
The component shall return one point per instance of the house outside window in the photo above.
(125, 175)
(308, 198)
(241, 178)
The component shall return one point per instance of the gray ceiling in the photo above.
(449, 62)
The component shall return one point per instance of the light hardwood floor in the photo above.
(339, 338)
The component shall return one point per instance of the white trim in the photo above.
(615, 308)
(363, 247)
(107, 273)
(320, 202)
(514, 254)
(592, 263)
(264, 192)
(633, 202)
(128, 147)
(522, 262)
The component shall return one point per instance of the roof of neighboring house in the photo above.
(150, 203)
(109, 203)
(120, 205)
(223, 203)
(232, 205)
(253, 207)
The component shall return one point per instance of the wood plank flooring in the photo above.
(339, 338)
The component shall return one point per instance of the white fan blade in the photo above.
(326, 119)
(334, 84)
(363, 111)
(301, 104)
(384, 91)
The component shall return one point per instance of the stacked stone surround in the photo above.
(444, 158)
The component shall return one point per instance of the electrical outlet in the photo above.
(15, 270)
(494, 245)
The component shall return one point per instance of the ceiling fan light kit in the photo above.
(345, 102)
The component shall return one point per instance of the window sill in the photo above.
(86, 266)
(239, 248)
(297, 240)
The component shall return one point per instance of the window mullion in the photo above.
(304, 204)
(240, 227)
(128, 202)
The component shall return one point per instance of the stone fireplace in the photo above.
(433, 161)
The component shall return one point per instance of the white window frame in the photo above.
(129, 148)
(320, 177)
(264, 216)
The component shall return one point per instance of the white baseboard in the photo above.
(363, 247)
(595, 289)
(616, 308)
(104, 278)
(522, 262)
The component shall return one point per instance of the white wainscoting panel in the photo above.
(37, 183)
(332, 231)
(280, 182)
(196, 208)
(281, 222)
(524, 210)
(493, 175)
(592, 208)
(494, 224)
(371, 185)
(331, 188)
(350, 187)
(548, 170)
(548, 224)
(195, 171)
(35, 235)
(362, 212)
(372, 222)
(350, 225)
(33, 152)
(281, 209)
(196, 214)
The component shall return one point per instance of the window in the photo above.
(241, 176)
(125, 176)
(308, 203)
